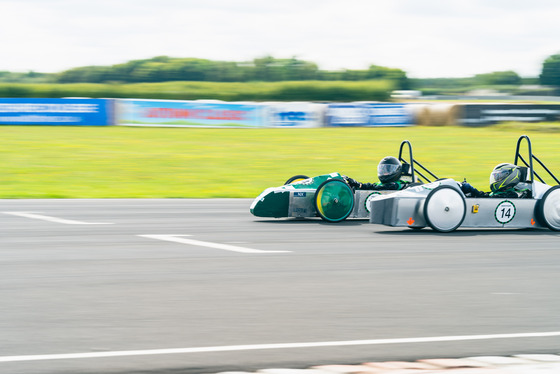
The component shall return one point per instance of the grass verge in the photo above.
(127, 162)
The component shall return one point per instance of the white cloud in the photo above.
(429, 38)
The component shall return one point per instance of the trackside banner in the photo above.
(488, 114)
(170, 113)
(56, 112)
(368, 114)
(294, 114)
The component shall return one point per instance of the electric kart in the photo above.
(443, 206)
(329, 196)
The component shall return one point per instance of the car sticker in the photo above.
(431, 186)
(368, 199)
(505, 211)
(305, 181)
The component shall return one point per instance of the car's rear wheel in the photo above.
(296, 178)
(548, 209)
(445, 209)
(334, 200)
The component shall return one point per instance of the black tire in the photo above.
(296, 178)
(334, 200)
(548, 209)
(445, 209)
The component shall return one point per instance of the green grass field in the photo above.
(94, 162)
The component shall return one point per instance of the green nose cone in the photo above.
(271, 204)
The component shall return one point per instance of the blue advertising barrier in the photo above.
(188, 113)
(368, 115)
(349, 114)
(59, 112)
(293, 114)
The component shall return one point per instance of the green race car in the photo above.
(328, 196)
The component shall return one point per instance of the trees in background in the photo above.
(264, 69)
(270, 69)
(550, 75)
(29, 77)
(498, 78)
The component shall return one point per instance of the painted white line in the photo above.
(227, 247)
(34, 215)
(505, 293)
(274, 346)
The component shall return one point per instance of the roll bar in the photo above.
(412, 163)
(532, 157)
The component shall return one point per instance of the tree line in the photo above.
(264, 69)
(168, 69)
(270, 69)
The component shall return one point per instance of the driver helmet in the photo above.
(504, 176)
(389, 169)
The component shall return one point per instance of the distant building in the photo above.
(406, 94)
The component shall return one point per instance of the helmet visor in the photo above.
(499, 175)
(387, 169)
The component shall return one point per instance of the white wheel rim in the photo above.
(551, 208)
(445, 209)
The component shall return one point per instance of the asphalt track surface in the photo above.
(111, 286)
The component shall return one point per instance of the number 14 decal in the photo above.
(505, 211)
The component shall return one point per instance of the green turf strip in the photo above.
(100, 162)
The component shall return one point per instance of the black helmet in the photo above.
(389, 169)
(504, 176)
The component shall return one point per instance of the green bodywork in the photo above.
(275, 201)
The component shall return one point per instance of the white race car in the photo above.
(444, 207)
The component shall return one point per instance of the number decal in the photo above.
(505, 211)
(431, 186)
(368, 199)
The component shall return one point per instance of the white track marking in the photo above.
(274, 346)
(34, 215)
(505, 293)
(227, 247)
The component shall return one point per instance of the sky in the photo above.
(425, 38)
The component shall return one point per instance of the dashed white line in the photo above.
(34, 215)
(274, 346)
(226, 247)
(505, 293)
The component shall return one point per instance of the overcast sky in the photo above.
(425, 38)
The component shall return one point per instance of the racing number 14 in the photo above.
(505, 211)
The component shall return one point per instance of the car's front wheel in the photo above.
(334, 200)
(296, 178)
(445, 209)
(548, 209)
